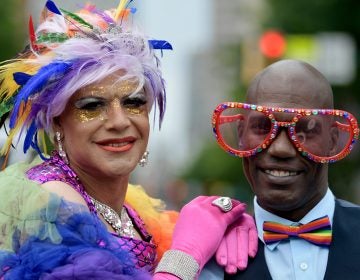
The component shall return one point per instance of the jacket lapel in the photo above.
(344, 251)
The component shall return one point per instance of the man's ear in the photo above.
(240, 134)
(334, 141)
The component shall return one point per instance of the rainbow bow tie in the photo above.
(317, 232)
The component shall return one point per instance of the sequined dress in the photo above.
(43, 236)
(55, 169)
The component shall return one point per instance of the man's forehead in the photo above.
(290, 87)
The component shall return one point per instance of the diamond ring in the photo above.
(224, 203)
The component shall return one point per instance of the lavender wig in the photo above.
(69, 51)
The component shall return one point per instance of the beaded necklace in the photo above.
(122, 223)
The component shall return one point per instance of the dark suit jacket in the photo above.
(344, 251)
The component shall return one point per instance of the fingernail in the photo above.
(242, 265)
(231, 269)
(223, 261)
(252, 253)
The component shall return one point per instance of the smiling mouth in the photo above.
(122, 145)
(117, 144)
(281, 173)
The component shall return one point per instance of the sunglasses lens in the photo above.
(243, 130)
(323, 135)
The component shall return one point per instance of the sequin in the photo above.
(55, 169)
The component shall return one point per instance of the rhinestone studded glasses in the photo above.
(322, 135)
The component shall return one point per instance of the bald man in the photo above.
(291, 188)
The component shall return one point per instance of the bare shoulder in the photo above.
(64, 190)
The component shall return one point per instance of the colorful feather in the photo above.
(160, 45)
(29, 136)
(36, 147)
(21, 78)
(32, 35)
(50, 5)
(52, 38)
(103, 15)
(5, 107)
(35, 84)
(121, 9)
(8, 86)
(77, 18)
(159, 222)
(14, 131)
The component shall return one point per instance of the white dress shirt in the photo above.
(296, 258)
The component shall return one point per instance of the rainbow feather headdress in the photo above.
(67, 52)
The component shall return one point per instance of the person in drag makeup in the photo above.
(86, 83)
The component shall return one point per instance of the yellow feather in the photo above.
(120, 9)
(16, 129)
(7, 70)
(158, 221)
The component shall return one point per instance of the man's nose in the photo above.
(282, 146)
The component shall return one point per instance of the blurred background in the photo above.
(218, 48)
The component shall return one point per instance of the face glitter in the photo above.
(97, 101)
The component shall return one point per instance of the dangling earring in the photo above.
(144, 159)
(62, 153)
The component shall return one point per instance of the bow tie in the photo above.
(317, 232)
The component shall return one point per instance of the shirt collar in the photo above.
(326, 206)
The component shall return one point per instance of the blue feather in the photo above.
(160, 45)
(35, 84)
(29, 136)
(36, 147)
(21, 78)
(52, 7)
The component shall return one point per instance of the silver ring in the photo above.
(224, 203)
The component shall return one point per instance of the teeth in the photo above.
(280, 173)
(117, 144)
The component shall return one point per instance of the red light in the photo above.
(272, 44)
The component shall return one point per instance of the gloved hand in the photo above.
(239, 242)
(201, 227)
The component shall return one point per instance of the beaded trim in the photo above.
(178, 263)
(217, 120)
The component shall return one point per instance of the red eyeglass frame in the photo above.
(217, 119)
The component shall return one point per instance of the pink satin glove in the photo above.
(163, 276)
(201, 227)
(240, 242)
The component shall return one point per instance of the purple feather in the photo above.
(36, 83)
(104, 16)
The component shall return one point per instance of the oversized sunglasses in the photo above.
(322, 135)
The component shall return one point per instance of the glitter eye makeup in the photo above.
(135, 103)
(89, 108)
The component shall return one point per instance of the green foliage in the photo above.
(219, 173)
(308, 16)
(215, 167)
(12, 28)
